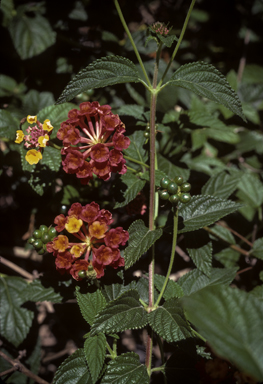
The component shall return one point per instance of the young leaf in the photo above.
(35, 291)
(124, 313)
(251, 190)
(172, 290)
(95, 350)
(73, 370)
(228, 257)
(169, 322)
(230, 320)
(206, 81)
(223, 233)
(126, 368)
(221, 185)
(134, 186)
(195, 280)
(101, 73)
(31, 36)
(141, 239)
(90, 304)
(202, 211)
(15, 321)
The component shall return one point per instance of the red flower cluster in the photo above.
(97, 246)
(92, 142)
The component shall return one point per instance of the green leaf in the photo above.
(70, 193)
(230, 320)
(169, 322)
(223, 233)
(78, 13)
(253, 74)
(113, 291)
(8, 125)
(51, 158)
(34, 101)
(172, 170)
(202, 257)
(221, 185)
(172, 290)
(106, 71)
(95, 350)
(159, 175)
(8, 9)
(228, 257)
(134, 186)
(195, 280)
(202, 211)
(136, 150)
(90, 304)
(15, 321)
(133, 110)
(56, 114)
(35, 291)
(31, 36)
(126, 369)
(73, 370)
(124, 313)
(8, 86)
(257, 249)
(251, 190)
(140, 240)
(206, 81)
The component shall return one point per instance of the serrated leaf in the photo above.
(95, 350)
(136, 150)
(206, 81)
(134, 186)
(230, 320)
(251, 190)
(140, 240)
(195, 280)
(35, 291)
(73, 370)
(172, 170)
(8, 125)
(126, 369)
(124, 313)
(159, 175)
(113, 291)
(172, 290)
(51, 158)
(202, 211)
(257, 249)
(202, 257)
(169, 322)
(31, 36)
(106, 71)
(56, 114)
(133, 110)
(90, 304)
(15, 321)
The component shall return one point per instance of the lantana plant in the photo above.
(205, 321)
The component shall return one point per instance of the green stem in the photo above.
(131, 40)
(179, 41)
(175, 229)
(132, 169)
(136, 161)
(198, 335)
(157, 369)
(113, 353)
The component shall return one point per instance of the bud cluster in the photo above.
(41, 237)
(175, 190)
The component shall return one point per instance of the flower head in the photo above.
(36, 137)
(94, 245)
(160, 28)
(93, 138)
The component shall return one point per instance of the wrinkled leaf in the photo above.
(90, 304)
(95, 350)
(124, 313)
(140, 240)
(230, 320)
